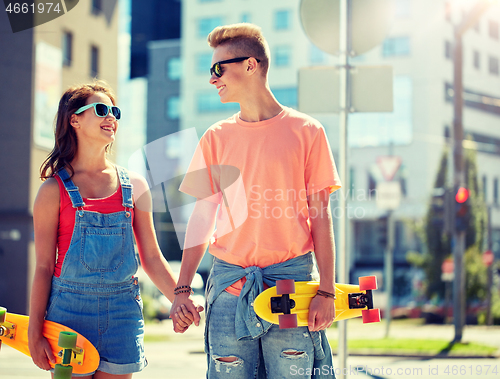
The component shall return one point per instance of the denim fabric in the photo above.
(248, 325)
(96, 293)
(272, 347)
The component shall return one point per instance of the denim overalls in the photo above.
(96, 293)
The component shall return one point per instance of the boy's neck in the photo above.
(262, 107)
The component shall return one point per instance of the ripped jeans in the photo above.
(285, 351)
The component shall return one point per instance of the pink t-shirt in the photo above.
(261, 174)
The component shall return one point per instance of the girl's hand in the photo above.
(183, 318)
(41, 352)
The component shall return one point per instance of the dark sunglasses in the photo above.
(217, 69)
(101, 110)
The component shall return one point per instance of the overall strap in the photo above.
(126, 187)
(74, 194)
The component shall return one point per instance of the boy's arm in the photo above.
(322, 309)
(198, 232)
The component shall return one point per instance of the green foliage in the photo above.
(438, 242)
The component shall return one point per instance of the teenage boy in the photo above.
(279, 162)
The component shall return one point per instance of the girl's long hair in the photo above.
(66, 143)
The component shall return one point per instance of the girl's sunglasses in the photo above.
(217, 69)
(101, 110)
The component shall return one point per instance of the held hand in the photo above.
(184, 312)
(321, 313)
(41, 352)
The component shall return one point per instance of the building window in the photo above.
(246, 17)
(94, 61)
(206, 25)
(396, 46)
(493, 65)
(172, 108)
(286, 96)
(282, 56)
(495, 191)
(282, 20)
(67, 48)
(493, 29)
(210, 102)
(448, 50)
(96, 7)
(477, 60)
(203, 63)
(403, 8)
(174, 68)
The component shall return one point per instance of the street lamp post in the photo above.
(458, 162)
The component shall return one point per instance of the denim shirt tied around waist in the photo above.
(248, 325)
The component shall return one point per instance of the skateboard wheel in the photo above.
(62, 372)
(285, 286)
(67, 340)
(370, 315)
(3, 313)
(288, 321)
(367, 283)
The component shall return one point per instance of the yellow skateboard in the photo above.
(287, 304)
(73, 352)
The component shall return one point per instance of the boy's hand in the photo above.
(184, 312)
(321, 313)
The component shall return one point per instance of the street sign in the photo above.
(318, 90)
(371, 89)
(388, 195)
(389, 165)
(488, 258)
(448, 270)
(370, 23)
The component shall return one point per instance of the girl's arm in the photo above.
(152, 260)
(45, 222)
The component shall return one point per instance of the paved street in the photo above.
(176, 356)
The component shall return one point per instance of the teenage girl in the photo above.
(85, 216)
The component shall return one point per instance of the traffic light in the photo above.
(382, 229)
(438, 207)
(462, 209)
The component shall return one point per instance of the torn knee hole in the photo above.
(293, 354)
(226, 359)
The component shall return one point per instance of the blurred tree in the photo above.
(437, 240)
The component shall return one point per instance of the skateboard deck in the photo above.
(287, 304)
(79, 357)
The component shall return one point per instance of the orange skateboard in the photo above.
(73, 352)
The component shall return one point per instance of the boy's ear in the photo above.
(74, 121)
(252, 65)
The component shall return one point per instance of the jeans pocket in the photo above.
(102, 249)
(54, 296)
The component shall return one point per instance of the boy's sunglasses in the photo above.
(101, 110)
(217, 69)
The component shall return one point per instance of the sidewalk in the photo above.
(181, 355)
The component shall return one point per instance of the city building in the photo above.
(36, 66)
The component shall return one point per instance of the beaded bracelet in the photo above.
(188, 290)
(181, 287)
(326, 294)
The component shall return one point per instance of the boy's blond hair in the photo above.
(244, 40)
